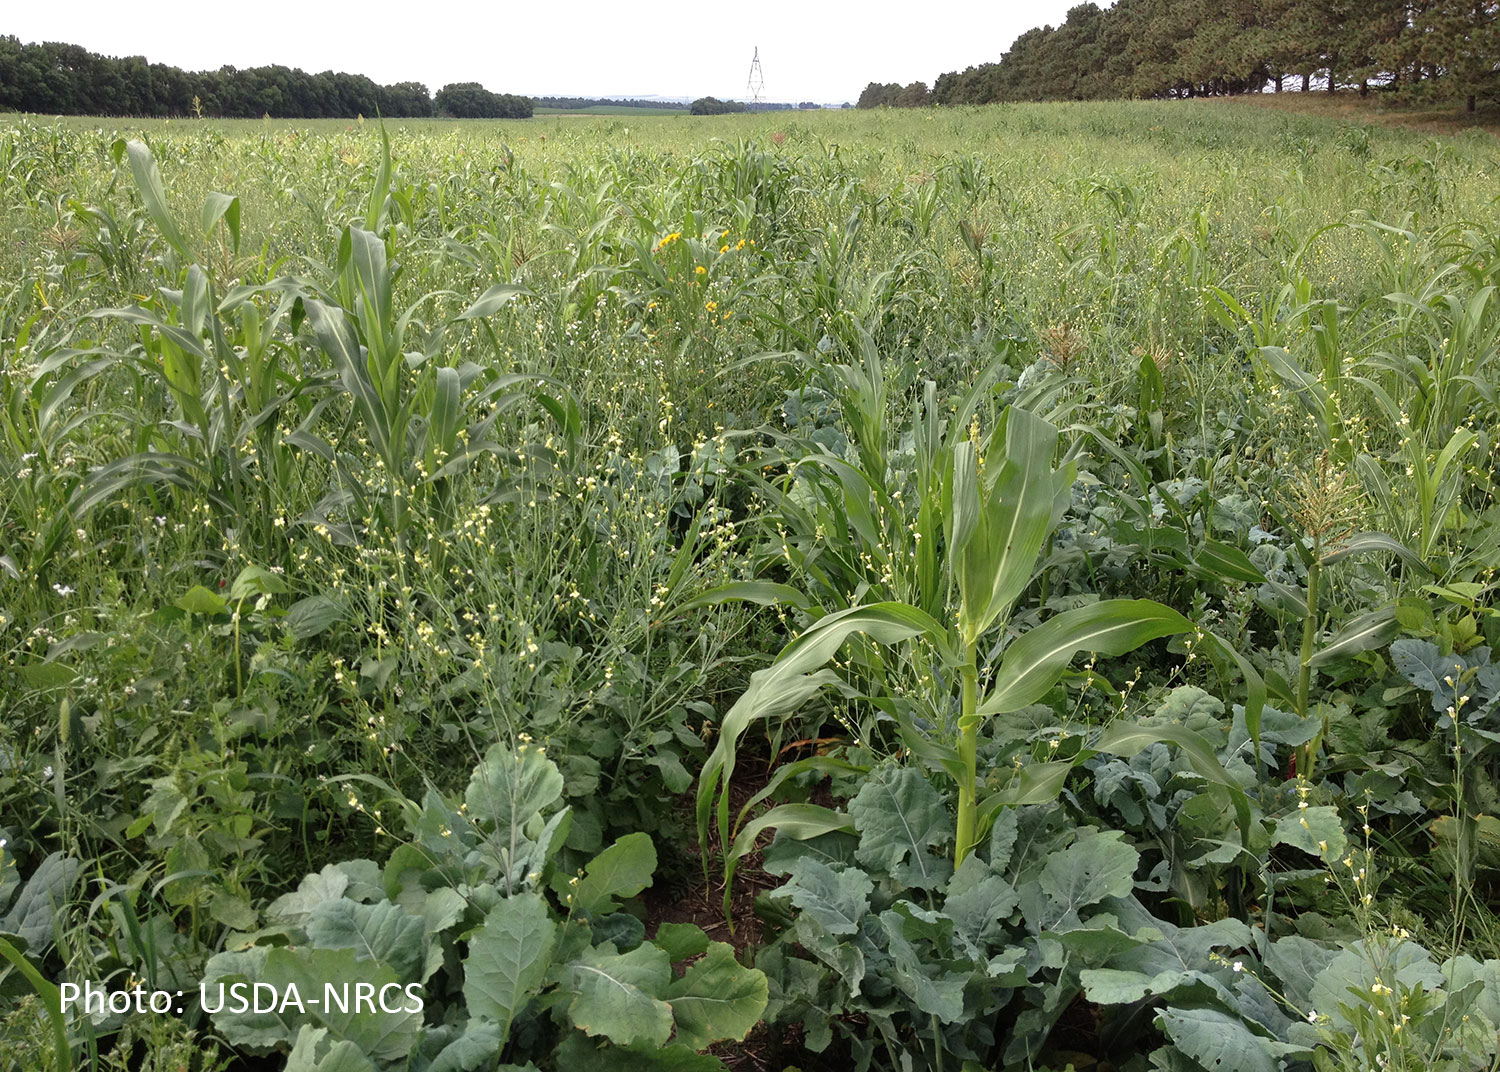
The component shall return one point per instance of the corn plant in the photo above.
(985, 508)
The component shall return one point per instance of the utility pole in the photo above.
(755, 85)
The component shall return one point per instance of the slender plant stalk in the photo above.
(968, 748)
(1309, 640)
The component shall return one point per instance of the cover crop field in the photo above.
(1005, 588)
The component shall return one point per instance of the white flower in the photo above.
(1239, 965)
(1312, 1016)
(63, 589)
(47, 771)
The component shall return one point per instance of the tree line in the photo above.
(578, 104)
(62, 79)
(1194, 48)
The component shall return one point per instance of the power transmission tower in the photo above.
(756, 84)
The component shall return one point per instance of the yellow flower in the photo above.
(710, 306)
(701, 270)
(723, 249)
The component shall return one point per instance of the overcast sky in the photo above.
(809, 50)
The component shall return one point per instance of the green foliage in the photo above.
(472, 958)
(130, 86)
(1117, 499)
(1149, 48)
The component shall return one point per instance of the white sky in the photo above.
(809, 50)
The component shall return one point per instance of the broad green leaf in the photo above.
(616, 994)
(1316, 830)
(622, 870)
(45, 675)
(233, 910)
(509, 957)
(493, 300)
(441, 909)
(188, 865)
(1119, 986)
(619, 929)
(315, 889)
(199, 600)
(1088, 871)
(900, 817)
(1298, 962)
(1035, 662)
(1463, 971)
(579, 1053)
(835, 900)
(925, 979)
(835, 848)
(717, 999)
(511, 787)
(476, 1048)
(308, 617)
(1349, 976)
(385, 1033)
(979, 902)
(1218, 1040)
(381, 932)
(34, 916)
(315, 1052)
(681, 941)
(1426, 667)
(255, 581)
(250, 1029)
